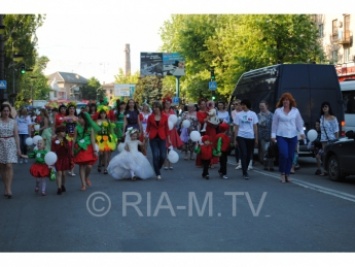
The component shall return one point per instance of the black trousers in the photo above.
(223, 163)
(205, 166)
(246, 147)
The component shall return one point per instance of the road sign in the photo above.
(176, 100)
(3, 84)
(212, 85)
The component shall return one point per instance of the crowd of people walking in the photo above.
(95, 135)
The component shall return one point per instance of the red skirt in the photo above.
(175, 139)
(64, 164)
(85, 157)
(39, 170)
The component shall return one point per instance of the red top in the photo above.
(160, 128)
(60, 148)
(206, 152)
(59, 119)
(225, 141)
(201, 116)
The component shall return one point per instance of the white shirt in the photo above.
(287, 125)
(223, 115)
(23, 123)
(246, 121)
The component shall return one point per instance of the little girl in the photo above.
(60, 146)
(106, 139)
(39, 168)
(130, 163)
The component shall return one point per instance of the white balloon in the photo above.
(186, 124)
(36, 138)
(173, 156)
(171, 125)
(50, 158)
(312, 135)
(35, 148)
(173, 118)
(29, 141)
(195, 136)
(120, 147)
(36, 127)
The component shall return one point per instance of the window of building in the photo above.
(335, 56)
(335, 27)
(321, 30)
(346, 54)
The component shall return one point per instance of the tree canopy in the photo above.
(233, 44)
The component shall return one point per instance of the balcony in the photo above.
(345, 37)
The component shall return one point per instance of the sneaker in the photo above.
(238, 167)
(44, 194)
(171, 168)
(166, 168)
(225, 177)
(158, 177)
(246, 176)
(250, 167)
(36, 189)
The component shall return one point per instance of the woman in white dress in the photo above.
(130, 163)
(9, 147)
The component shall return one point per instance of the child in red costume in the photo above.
(60, 146)
(205, 150)
(222, 143)
(39, 169)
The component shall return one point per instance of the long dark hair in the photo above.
(135, 106)
(326, 103)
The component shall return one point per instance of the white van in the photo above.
(348, 91)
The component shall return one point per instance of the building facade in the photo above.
(336, 33)
(65, 85)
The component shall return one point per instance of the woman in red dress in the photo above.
(174, 135)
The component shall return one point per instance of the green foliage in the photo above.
(234, 44)
(90, 91)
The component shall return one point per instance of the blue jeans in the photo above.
(23, 145)
(287, 147)
(158, 147)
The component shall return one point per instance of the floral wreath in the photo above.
(101, 108)
(132, 130)
(71, 104)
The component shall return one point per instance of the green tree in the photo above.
(90, 91)
(234, 44)
(33, 85)
(21, 39)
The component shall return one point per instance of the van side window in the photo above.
(349, 102)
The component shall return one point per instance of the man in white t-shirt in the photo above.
(246, 134)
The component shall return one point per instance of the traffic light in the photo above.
(213, 96)
(23, 68)
(213, 77)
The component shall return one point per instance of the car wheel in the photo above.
(334, 170)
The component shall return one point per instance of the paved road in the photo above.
(182, 213)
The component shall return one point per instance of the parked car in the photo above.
(339, 157)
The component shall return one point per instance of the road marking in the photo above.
(311, 186)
